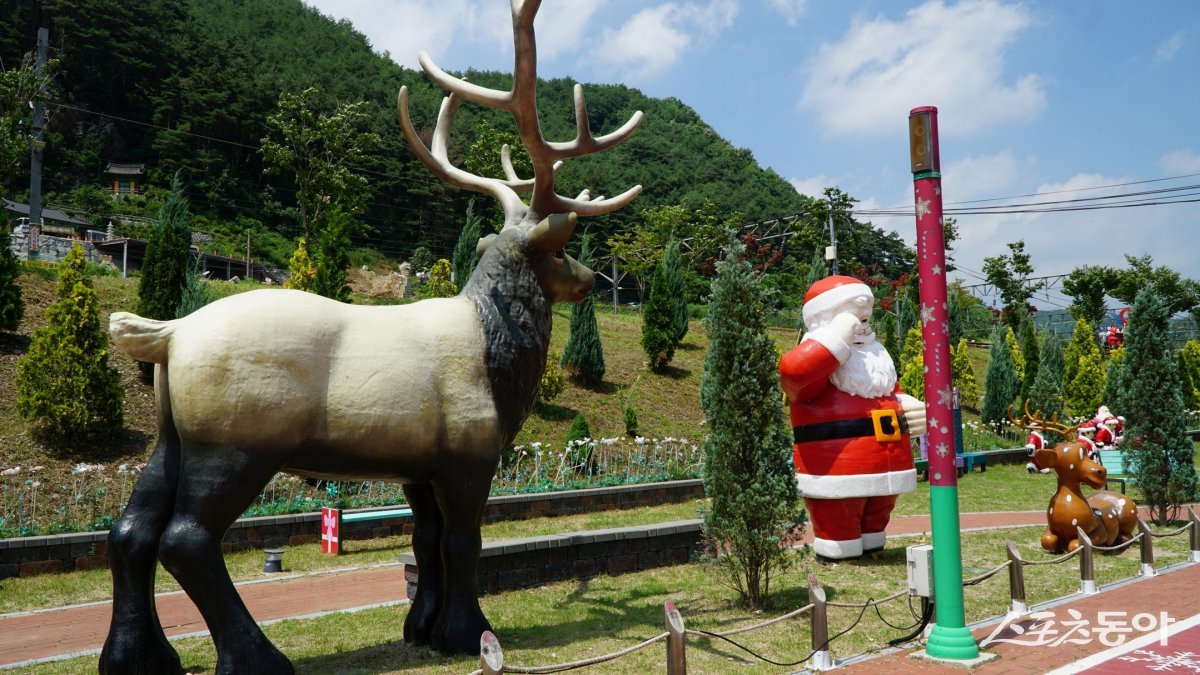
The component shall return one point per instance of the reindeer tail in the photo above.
(143, 339)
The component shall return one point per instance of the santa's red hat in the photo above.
(830, 292)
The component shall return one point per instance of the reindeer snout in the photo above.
(1095, 474)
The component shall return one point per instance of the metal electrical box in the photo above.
(920, 570)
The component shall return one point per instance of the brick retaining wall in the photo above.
(522, 563)
(24, 556)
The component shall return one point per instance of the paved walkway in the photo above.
(81, 629)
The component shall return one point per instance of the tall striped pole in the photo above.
(950, 638)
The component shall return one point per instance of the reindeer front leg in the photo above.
(1051, 542)
(461, 498)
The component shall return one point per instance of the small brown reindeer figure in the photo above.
(1108, 518)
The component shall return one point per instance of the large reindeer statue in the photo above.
(427, 394)
(1108, 518)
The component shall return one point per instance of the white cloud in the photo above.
(975, 177)
(1169, 47)
(813, 186)
(1061, 241)
(655, 39)
(406, 27)
(1179, 162)
(791, 10)
(949, 56)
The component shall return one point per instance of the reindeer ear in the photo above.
(1046, 457)
(483, 244)
(553, 233)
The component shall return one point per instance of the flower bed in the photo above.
(95, 497)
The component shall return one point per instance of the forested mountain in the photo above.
(188, 85)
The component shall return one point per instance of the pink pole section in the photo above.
(931, 267)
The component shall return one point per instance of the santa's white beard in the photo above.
(869, 372)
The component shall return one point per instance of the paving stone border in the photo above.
(522, 563)
(24, 556)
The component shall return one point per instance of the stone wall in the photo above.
(50, 249)
(522, 563)
(24, 556)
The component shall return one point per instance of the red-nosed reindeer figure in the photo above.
(1108, 518)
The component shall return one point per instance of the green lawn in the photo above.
(572, 620)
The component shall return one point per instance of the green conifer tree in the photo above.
(1000, 384)
(583, 357)
(166, 261)
(331, 256)
(673, 268)
(1029, 349)
(1083, 386)
(1085, 393)
(912, 364)
(1082, 341)
(439, 285)
(658, 322)
(1156, 439)
(887, 333)
(463, 259)
(196, 291)
(747, 455)
(1114, 381)
(12, 306)
(1189, 374)
(1014, 353)
(65, 387)
(300, 268)
(965, 381)
(1046, 395)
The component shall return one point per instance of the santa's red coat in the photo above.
(845, 467)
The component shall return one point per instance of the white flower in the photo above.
(11, 472)
(81, 467)
(35, 469)
(124, 469)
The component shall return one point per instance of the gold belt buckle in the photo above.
(877, 417)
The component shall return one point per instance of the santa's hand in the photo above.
(913, 410)
(845, 326)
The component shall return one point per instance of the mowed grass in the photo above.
(582, 619)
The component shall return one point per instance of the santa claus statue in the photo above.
(851, 423)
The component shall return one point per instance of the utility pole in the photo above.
(831, 250)
(35, 136)
(249, 276)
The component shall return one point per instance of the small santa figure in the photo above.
(1087, 434)
(1109, 427)
(851, 423)
(1035, 442)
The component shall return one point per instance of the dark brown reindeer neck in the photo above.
(516, 320)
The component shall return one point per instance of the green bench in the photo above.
(332, 520)
(966, 462)
(1114, 461)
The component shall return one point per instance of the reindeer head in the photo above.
(540, 229)
(1069, 459)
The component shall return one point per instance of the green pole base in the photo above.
(947, 642)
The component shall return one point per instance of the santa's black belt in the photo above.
(884, 424)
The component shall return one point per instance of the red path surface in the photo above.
(73, 630)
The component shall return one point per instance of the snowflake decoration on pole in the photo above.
(942, 450)
(927, 313)
(922, 208)
(945, 396)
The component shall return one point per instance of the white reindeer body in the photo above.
(296, 375)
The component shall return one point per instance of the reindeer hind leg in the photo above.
(135, 642)
(216, 485)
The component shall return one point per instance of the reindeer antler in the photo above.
(521, 103)
(1035, 421)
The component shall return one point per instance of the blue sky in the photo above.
(1061, 97)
